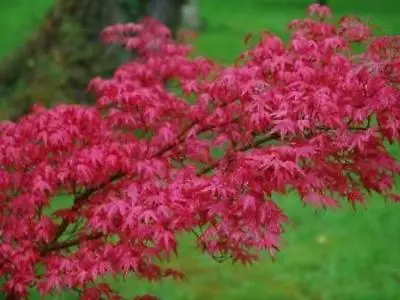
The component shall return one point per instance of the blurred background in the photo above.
(49, 50)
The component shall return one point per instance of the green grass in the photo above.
(17, 19)
(359, 258)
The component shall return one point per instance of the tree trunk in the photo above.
(166, 11)
(60, 58)
(191, 18)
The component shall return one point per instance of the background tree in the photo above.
(191, 18)
(58, 60)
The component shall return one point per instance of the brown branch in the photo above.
(78, 202)
(82, 198)
(254, 144)
(261, 141)
(66, 244)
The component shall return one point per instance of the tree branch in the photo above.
(81, 199)
(66, 244)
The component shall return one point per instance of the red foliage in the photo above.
(309, 116)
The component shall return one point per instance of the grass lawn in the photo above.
(326, 255)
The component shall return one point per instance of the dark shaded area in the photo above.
(57, 61)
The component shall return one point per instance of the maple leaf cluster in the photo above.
(310, 115)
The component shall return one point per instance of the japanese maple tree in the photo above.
(310, 115)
